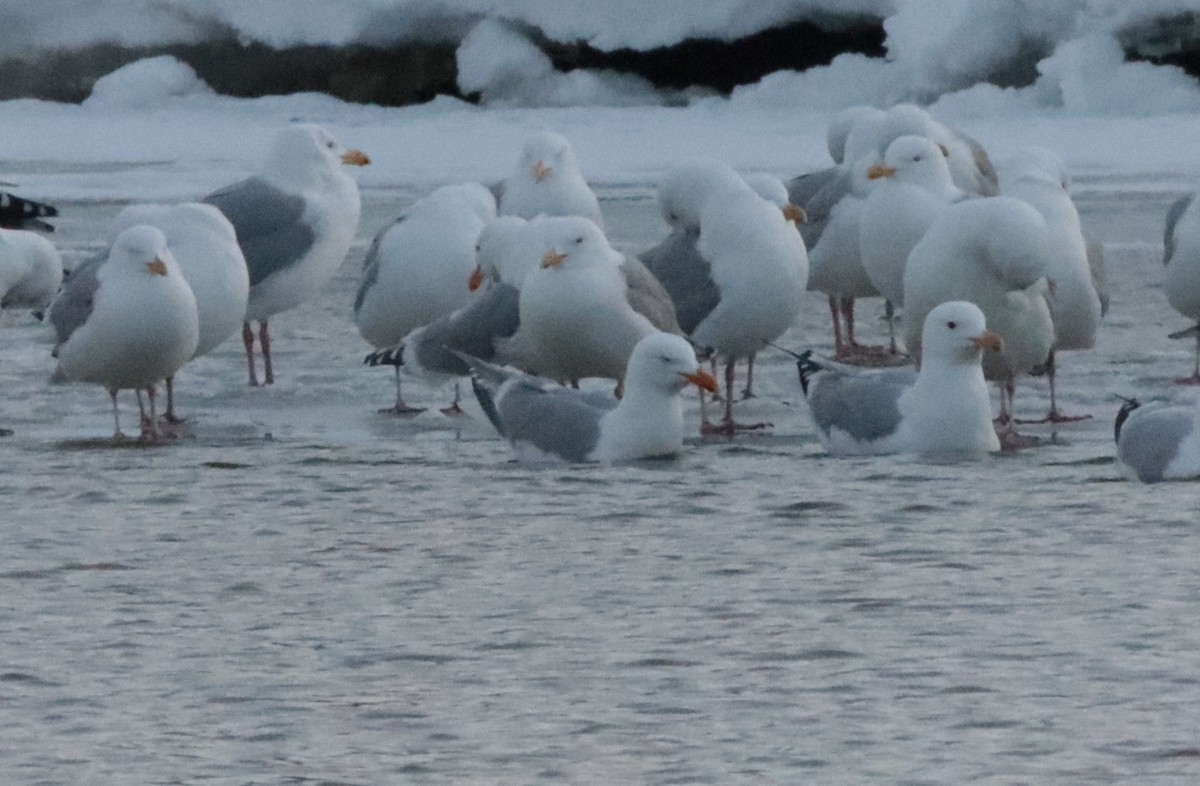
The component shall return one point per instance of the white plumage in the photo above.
(547, 181)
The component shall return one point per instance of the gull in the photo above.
(541, 419)
(1157, 440)
(295, 222)
(136, 327)
(942, 410)
(547, 181)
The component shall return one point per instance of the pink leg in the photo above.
(839, 349)
(117, 435)
(748, 392)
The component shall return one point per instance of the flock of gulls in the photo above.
(516, 288)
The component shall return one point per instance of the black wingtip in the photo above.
(1128, 405)
(486, 402)
(392, 356)
(1191, 332)
(20, 213)
(808, 367)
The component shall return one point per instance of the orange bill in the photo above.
(703, 380)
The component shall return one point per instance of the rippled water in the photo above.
(306, 591)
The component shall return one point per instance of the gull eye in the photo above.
(952, 325)
(665, 358)
(579, 240)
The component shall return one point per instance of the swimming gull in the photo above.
(943, 409)
(205, 246)
(541, 419)
(295, 222)
(417, 269)
(1158, 440)
(547, 181)
(137, 324)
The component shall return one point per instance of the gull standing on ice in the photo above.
(588, 305)
(914, 185)
(1158, 441)
(993, 253)
(295, 223)
(417, 270)
(542, 419)
(138, 325)
(547, 181)
(1181, 254)
(205, 247)
(944, 409)
(1040, 178)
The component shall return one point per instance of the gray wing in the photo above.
(553, 419)
(989, 180)
(1149, 443)
(268, 224)
(73, 304)
(865, 405)
(685, 275)
(818, 193)
(472, 330)
(370, 271)
(1175, 213)
(648, 297)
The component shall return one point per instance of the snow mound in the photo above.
(147, 83)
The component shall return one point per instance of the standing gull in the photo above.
(205, 246)
(417, 270)
(1158, 441)
(914, 185)
(547, 181)
(588, 305)
(137, 326)
(1181, 254)
(943, 409)
(295, 223)
(1040, 178)
(994, 253)
(542, 419)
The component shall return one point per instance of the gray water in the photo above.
(304, 591)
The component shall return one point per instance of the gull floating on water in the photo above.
(942, 410)
(542, 419)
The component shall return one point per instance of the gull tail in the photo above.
(484, 375)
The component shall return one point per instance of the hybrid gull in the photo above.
(295, 222)
(1181, 254)
(31, 270)
(1158, 441)
(588, 305)
(417, 269)
(994, 253)
(205, 246)
(1040, 178)
(541, 419)
(942, 410)
(137, 326)
(547, 181)
(913, 186)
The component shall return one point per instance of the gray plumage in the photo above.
(818, 192)
(648, 297)
(73, 304)
(685, 275)
(267, 223)
(370, 273)
(1176, 211)
(988, 180)
(525, 409)
(472, 330)
(1149, 441)
(863, 405)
